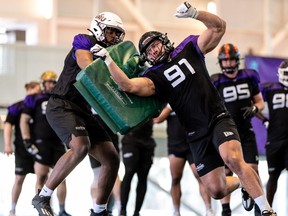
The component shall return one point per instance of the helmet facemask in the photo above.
(148, 39)
(283, 73)
(226, 52)
(105, 24)
(231, 69)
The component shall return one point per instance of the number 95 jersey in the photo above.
(237, 92)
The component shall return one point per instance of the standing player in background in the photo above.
(138, 147)
(24, 162)
(41, 141)
(114, 198)
(69, 114)
(178, 154)
(179, 77)
(276, 95)
(241, 93)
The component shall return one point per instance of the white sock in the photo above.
(45, 191)
(262, 203)
(99, 208)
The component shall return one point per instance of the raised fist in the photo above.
(186, 10)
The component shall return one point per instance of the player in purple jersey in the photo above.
(41, 141)
(179, 77)
(178, 154)
(241, 93)
(276, 96)
(24, 162)
(70, 116)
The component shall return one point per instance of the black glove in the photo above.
(31, 148)
(249, 112)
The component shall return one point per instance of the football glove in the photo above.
(266, 123)
(185, 10)
(100, 52)
(249, 112)
(31, 148)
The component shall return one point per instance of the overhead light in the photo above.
(46, 8)
(211, 7)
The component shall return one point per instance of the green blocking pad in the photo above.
(120, 111)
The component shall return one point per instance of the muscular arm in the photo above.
(140, 86)
(211, 37)
(83, 58)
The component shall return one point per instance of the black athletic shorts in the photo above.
(50, 151)
(181, 151)
(205, 149)
(24, 162)
(67, 118)
(249, 146)
(277, 156)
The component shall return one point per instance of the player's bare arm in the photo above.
(83, 58)
(216, 27)
(211, 37)
(140, 86)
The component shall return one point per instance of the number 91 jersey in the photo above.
(185, 84)
(237, 92)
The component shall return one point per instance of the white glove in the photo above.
(186, 10)
(266, 123)
(101, 52)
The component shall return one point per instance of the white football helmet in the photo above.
(104, 21)
(283, 73)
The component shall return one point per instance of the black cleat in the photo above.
(247, 201)
(269, 213)
(103, 213)
(42, 205)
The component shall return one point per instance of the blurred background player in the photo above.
(24, 162)
(276, 96)
(241, 93)
(138, 147)
(41, 141)
(178, 153)
(114, 198)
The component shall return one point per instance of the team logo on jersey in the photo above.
(200, 167)
(128, 155)
(228, 133)
(81, 128)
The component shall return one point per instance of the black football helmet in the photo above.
(229, 51)
(150, 37)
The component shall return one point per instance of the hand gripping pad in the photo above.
(119, 110)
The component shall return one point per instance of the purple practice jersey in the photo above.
(276, 96)
(35, 106)
(185, 84)
(13, 117)
(238, 93)
(64, 87)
